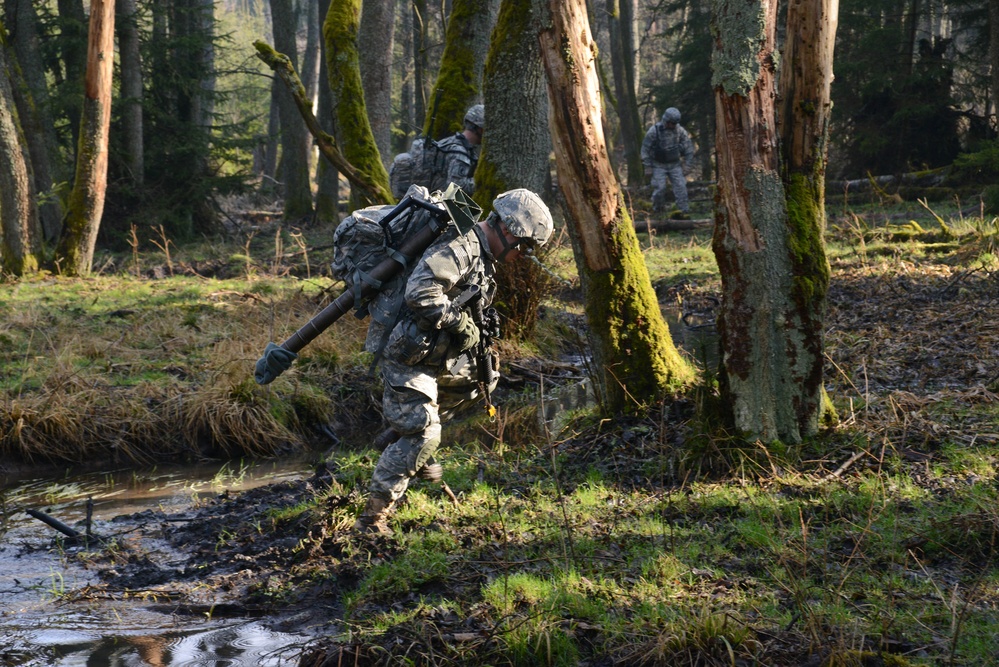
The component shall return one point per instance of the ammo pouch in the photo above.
(410, 344)
(671, 154)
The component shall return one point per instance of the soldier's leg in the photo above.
(679, 183)
(658, 187)
(410, 407)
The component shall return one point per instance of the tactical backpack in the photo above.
(361, 241)
(663, 154)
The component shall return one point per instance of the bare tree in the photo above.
(516, 145)
(20, 244)
(350, 119)
(131, 87)
(768, 226)
(460, 77)
(35, 110)
(376, 39)
(295, 139)
(75, 252)
(622, 55)
(633, 351)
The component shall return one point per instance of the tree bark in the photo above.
(20, 243)
(460, 77)
(622, 63)
(350, 119)
(75, 253)
(764, 354)
(994, 54)
(34, 107)
(517, 146)
(294, 137)
(419, 8)
(376, 39)
(282, 66)
(327, 178)
(131, 88)
(634, 354)
(73, 50)
(806, 78)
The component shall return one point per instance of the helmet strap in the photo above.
(494, 222)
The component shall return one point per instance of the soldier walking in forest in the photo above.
(456, 157)
(665, 144)
(432, 362)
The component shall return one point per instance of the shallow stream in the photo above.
(39, 625)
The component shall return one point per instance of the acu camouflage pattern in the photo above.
(455, 160)
(419, 390)
(671, 144)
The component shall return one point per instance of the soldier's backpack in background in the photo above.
(663, 154)
(415, 167)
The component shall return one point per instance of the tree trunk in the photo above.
(460, 77)
(131, 88)
(203, 24)
(622, 61)
(350, 119)
(73, 49)
(806, 78)
(632, 348)
(763, 295)
(34, 107)
(517, 145)
(295, 139)
(311, 56)
(269, 164)
(376, 41)
(20, 244)
(419, 62)
(406, 108)
(327, 178)
(86, 203)
(994, 54)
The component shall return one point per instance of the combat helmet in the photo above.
(476, 115)
(527, 218)
(671, 115)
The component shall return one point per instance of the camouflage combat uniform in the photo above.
(673, 143)
(455, 162)
(419, 388)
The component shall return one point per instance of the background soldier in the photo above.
(664, 145)
(458, 155)
(428, 369)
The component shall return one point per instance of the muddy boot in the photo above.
(384, 439)
(374, 518)
(431, 471)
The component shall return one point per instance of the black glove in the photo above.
(276, 360)
(464, 333)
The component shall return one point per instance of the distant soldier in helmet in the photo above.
(427, 368)
(458, 155)
(665, 144)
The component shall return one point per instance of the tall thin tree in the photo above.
(633, 351)
(75, 252)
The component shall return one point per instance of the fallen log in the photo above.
(672, 225)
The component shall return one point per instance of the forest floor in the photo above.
(651, 539)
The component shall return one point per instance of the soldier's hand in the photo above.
(464, 333)
(276, 360)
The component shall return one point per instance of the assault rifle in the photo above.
(453, 206)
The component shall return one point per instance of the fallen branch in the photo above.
(281, 64)
(55, 523)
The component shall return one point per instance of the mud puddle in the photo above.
(53, 609)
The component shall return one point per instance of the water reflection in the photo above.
(39, 627)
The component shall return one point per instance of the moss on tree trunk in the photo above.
(86, 203)
(460, 76)
(633, 351)
(350, 119)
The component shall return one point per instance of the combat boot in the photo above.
(374, 518)
(432, 472)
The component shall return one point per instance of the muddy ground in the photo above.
(902, 340)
